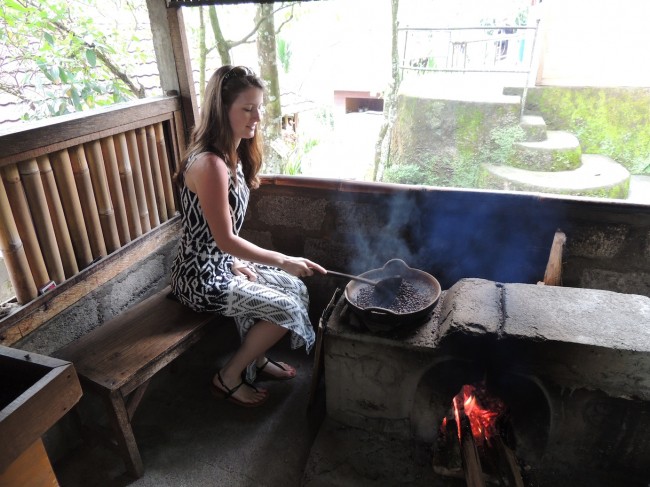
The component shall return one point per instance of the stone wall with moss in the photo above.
(443, 142)
(611, 121)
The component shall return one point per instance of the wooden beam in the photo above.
(31, 140)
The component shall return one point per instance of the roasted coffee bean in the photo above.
(408, 299)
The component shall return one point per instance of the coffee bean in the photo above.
(408, 299)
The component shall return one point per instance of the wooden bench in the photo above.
(118, 359)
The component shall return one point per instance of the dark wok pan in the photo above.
(425, 283)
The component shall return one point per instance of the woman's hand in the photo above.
(301, 267)
(240, 268)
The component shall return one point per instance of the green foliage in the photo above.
(410, 174)
(284, 53)
(611, 121)
(71, 60)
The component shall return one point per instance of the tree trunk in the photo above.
(202, 54)
(223, 46)
(267, 56)
(390, 102)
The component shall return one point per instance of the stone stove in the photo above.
(573, 366)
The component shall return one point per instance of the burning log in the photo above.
(508, 463)
(469, 454)
(474, 421)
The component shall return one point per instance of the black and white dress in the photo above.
(202, 278)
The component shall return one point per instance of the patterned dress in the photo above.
(202, 279)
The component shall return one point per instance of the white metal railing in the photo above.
(491, 50)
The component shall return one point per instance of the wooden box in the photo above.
(35, 392)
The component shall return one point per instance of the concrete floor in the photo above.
(189, 438)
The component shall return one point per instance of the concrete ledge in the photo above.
(575, 337)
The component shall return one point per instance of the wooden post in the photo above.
(87, 199)
(64, 176)
(138, 180)
(17, 202)
(553, 273)
(172, 57)
(128, 186)
(59, 223)
(14, 253)
(40, 214)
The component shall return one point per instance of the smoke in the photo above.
(460, 234)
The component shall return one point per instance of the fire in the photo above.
(482, 414)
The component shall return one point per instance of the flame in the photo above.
(482, 420)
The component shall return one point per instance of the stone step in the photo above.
(534, 126)
(598, 176)
(560, 151)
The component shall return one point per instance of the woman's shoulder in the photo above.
(205, 166)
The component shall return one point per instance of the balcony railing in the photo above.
(503, 53)
(79, 187)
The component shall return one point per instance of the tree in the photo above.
(58, 59)
(263, 33)
(390, 100)
(266, 53)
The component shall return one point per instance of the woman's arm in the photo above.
(208, 178)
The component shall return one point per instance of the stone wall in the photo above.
(452, 234)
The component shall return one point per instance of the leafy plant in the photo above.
(409, 174)
(68, 61)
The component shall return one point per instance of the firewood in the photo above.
(469, 454)
(507, 462)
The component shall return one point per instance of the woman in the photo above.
(217, 270)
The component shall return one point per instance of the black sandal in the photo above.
(228, 392)
(262, 373)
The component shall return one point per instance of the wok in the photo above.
(423, 282)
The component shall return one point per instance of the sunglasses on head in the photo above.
(237, 72)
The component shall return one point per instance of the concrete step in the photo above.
(598, 176)
(535, 128)
(560, 151)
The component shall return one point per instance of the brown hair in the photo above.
(213, 132)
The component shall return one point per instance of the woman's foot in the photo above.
(270, 369)
(242, 393)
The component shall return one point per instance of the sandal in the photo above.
(262, 373)
(228, 392)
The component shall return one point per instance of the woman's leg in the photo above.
(262, 336)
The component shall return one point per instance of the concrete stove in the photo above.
(572, 364)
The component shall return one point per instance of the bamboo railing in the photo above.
(77, 188)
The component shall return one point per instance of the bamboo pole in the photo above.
(23, 221)
(41, 216)
(115, 189)
(71, 203)
(165, 170)
(128, 186)
(156, 173)
(147, 179)
(88, 203)
(13, 253)
(138, 181)
(57, 217)
(102, 195)
(178, 146)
